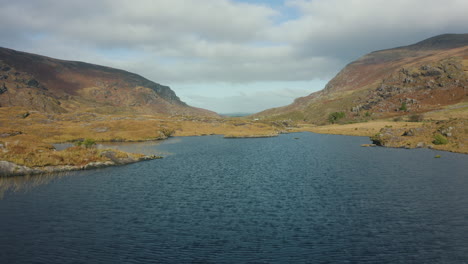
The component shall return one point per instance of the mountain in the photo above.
(418, 78)
(57, 86)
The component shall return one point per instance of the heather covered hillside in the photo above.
(56, 86)
(415, 79)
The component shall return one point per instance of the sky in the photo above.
(226, 55)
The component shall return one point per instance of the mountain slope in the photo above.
(57, 86)
(423, 77)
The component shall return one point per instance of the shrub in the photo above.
(403, 107)
(89, 143)
(167, 131)
(24, 115)
(439, 139)
(416, 118)
(334, 117)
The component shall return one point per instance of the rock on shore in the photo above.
(11, 169)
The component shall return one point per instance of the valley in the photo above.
(407, 97)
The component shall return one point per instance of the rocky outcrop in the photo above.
(11, 169)
(423, 77)
(10, 134)
(420, 88)
(424, 136)
(3, 88)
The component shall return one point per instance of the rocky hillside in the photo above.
(56, 86)
(419, 78)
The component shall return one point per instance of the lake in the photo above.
(296, 198)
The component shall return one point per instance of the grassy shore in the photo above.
(26, 138)
(450, 123)
(404, 134)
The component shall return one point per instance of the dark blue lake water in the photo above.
(316, 199)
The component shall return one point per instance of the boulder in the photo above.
(109, 154)
(101, 129)
(10, 134)
(446, 131)
(432, 72)
(117, 160)
(33, 83)
(3, 89)
(96, 165)
(11, 169)
(409, 133)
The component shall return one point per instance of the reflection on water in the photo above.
(316, 199)
(27, 182)
(147, 147)
(62, 146)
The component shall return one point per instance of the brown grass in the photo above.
(33, 147)
(34, 156)
(458, 142)
(358, 129)
(459, 111)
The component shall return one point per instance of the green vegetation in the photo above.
(403, 107)
(167, 131)
(24, 115)
(437, 156)
(87, 143)
(334, 117)
(439, 139)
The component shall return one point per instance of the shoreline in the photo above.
(406, 135)
(10, 169)
(382, 133)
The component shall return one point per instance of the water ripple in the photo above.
(319, 199)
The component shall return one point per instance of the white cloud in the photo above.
(350, 28)
(247, 98)
(159, 23)
(247, 102)
(208, 41)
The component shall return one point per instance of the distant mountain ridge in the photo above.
(52, 85)
(445, 41)
(424, 76)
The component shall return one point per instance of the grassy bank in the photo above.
(26, 137)
(405, 134)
